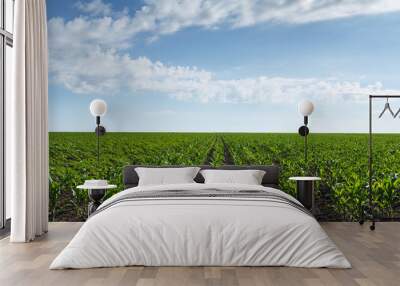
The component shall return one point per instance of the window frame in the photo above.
(6, 39)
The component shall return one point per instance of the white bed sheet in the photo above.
(202, 232)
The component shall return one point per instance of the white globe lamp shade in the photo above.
(306, 107)
(98, 107)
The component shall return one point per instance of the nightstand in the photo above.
(96, 194)
(305, 190)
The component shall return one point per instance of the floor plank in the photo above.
(375, 257)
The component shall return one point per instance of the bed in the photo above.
(197, 224)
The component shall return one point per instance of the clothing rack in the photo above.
(370, 169)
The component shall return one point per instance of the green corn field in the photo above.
(341, 160)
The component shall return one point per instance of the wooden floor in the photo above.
(375, 257)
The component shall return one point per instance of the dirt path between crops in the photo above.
(228, 159)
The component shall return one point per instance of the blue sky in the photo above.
(235, 66)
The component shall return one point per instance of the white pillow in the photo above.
(166, 176)
(248, 177)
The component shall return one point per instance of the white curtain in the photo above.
(27, 151)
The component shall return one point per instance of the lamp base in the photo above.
(303, 130)
(100, 130)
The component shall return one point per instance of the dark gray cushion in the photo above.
(270, 179)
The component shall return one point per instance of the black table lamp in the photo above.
(98, 108)
(306, 107)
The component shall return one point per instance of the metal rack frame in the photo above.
(370, 157)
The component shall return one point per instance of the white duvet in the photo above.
(194, 231)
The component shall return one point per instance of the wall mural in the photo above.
(216, 82)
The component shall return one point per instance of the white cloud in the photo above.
(107, 72)
(94, 7)
(169, 16)
(88, 53)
